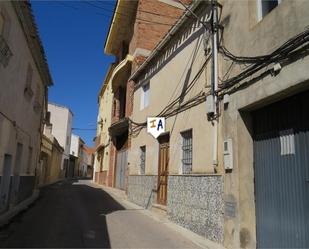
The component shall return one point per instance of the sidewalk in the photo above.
(121, 197)
(7, 216)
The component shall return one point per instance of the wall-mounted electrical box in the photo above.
(228, 153)
(210, 105)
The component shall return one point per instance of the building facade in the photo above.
(176, 170)
(232, 164)
(266, 121)
(78, 162)
(24, 79)
(49, 170)
(102, 139)
(131, 38)
(61, 119)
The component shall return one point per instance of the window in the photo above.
(5, 52)
(145, 96)
(1, 24)
(29, 160)
(142, 159)
(37, 101)
(266, 6)
(186, 152)
(28, 90)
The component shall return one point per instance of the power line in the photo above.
(133, 9)
(122, 14)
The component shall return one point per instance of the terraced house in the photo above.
(131, 38)
(230, 78)
(24, 75)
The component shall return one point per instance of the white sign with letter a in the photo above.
(156, 126)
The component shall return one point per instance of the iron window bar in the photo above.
(5, 52)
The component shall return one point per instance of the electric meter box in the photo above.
(228, 153)
(210, 105)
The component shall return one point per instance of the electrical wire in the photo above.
(283, 52)
(175, 107)
(133, 9)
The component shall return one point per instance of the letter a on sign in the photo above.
(156, 126)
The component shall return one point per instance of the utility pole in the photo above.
(214, 78)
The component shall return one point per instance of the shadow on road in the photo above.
(67, 215)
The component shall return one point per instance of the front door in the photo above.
(121, 166)
(5, 182)
(163, 169)
(281, 167)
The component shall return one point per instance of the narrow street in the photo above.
(75, 214)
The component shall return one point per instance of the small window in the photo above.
(186, 152)
(28, 90)
(266, 6)
(47, 117)
(145, 96)
(142, 159)
(1, 24)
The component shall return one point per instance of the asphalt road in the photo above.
(76, 215)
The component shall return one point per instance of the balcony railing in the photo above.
(5, 52)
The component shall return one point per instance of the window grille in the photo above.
(186, 152)
(5, 52)
(142, 160)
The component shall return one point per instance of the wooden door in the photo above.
(121, 167)
(163, 169)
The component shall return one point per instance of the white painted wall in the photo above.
(61, 120)
(19, 123)
(74, 148)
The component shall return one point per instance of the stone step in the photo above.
(159, 209)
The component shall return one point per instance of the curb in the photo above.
(7, 216)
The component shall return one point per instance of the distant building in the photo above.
(90, 152)
(102, 139)
(49, 170)
(61, 122)
(24, 81)
(79, 157)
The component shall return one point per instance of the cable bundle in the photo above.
(286, 50)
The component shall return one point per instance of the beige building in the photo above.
(24, 79)
(102, 140)
(235, 172)
(49, 170)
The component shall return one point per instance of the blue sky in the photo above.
(73, 35)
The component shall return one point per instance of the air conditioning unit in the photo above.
(228, 154)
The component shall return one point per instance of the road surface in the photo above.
(73, 214)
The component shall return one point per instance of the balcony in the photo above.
(5, 52)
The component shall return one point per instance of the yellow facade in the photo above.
(105, 100)
(49, 170)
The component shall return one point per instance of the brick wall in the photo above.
(147, 29)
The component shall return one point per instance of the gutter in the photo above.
(166, 39)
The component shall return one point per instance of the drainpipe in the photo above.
(215, 80)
